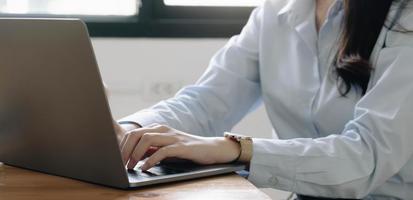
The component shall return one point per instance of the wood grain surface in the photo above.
(20, 184)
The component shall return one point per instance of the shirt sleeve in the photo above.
(372, 148)
(224, 94)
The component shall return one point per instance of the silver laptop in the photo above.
(54, 115)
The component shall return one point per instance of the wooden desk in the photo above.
(19, 184)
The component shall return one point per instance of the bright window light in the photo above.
(236, 3)
(70, 7)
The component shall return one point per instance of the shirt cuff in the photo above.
(269, 169)
(145, 118)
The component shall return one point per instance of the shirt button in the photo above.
(273, 181)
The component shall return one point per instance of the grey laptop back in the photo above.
(54, 116)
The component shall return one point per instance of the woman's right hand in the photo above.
(122, 129)
(160, 142)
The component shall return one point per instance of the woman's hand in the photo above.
(171, 143)
(121, 130)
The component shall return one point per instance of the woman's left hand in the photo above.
(172, 143)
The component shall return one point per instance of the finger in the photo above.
(150, 151)
(147, 140)
(131, 140)
(128, 146)
(122, 147)
(119, 132)
(161, 154)
(122, 143)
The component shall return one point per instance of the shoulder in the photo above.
(394, 60)
(402, 13)
(401, 33)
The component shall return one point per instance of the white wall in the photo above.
(140, 72)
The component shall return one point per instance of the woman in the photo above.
(336, 79)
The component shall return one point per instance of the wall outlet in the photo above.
(160, 90)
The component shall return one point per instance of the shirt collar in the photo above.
(298, 11)
(300, 15)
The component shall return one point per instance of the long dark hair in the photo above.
(362, 25)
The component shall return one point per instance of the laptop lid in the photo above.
(54, 115)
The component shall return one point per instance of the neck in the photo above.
(322, 7)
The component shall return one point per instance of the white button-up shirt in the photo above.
(345, 147)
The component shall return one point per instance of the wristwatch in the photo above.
(245, 143)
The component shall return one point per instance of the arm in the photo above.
(225, 93)
(373, 147)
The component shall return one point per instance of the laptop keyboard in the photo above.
(162, 169)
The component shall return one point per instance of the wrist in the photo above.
(236, 147)
(227, 151)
